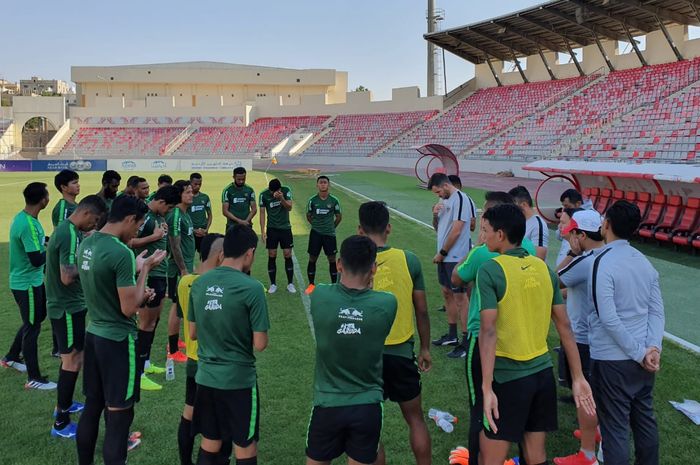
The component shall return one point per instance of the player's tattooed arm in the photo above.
(69, 274)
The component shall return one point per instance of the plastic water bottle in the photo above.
(170, 370)
(444, 420)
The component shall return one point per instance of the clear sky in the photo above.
(380, 43)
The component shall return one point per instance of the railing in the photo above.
(178, 140)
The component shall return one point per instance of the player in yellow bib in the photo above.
(399, 272)
(211, 256)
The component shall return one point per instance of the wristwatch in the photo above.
(443, 252)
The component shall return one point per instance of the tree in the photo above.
(361, 89)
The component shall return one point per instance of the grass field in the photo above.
(285, 369)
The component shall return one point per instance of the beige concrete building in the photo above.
(37, 86)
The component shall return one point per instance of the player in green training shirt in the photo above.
(27, 258)
(351, 322)
(108, 192)
(200, 210)
(324, 214)
(163, 180)
(65, 305)
(113, 295)
(68, 184)
(466, 273)
(181, 261)
(238, 200)
(275, 205)
(228, 318)
(152, 236)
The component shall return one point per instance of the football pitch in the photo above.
(285, 369)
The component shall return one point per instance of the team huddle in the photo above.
(113, 258)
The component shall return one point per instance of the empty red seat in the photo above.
(689, 221)
(593, 195)
(604, 200)
(643, 201)
(653, 217)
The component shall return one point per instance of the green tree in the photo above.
(361, 89)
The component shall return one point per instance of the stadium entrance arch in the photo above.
(36, 120)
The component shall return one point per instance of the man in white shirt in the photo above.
(535, 227)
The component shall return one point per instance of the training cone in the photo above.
(459, 456)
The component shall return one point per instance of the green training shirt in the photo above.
(468, 270)
(350, 328)
(228, 306)
(200, 208)
(105, 264)
(149, 224)
(239, 201)
(277, 215)
(62, 211)
(322, 213)
(491, 287)
(180, 225)
(62, 251)
(26, 235)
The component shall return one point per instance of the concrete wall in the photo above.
(657, 51)
(26, 108)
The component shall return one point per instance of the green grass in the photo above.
(285, 369)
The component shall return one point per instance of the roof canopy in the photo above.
(560, 24)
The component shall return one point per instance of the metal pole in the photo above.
(634, 45)
(517, 65)
(602, 52)
(676, 52)
(546, 64)
(431, 49)
(573, 57)
(444, 70)
(493, 71)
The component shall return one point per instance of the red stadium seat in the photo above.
(646, 229)
(643, 201)
(593, 195)
(681, 235)
(604, 200)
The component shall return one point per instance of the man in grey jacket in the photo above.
(626, 331)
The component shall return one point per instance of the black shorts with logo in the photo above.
(318, 241)
(109, 372)
(227, 414)
(172, 287)
(279, 237)
(69, 331)
(444, 270)
(354, 430)
(401, 378)
(160, 285)
(527, 404)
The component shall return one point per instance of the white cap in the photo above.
(584, 220)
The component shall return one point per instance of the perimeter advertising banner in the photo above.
(52, 165)
(15, 165)
(174, 165)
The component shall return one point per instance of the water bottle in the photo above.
(444, 420)
(170, 370)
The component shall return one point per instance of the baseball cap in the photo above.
(584, 220)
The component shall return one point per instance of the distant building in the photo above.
(8, 87)
(38, 86)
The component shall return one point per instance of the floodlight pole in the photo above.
(431, 49)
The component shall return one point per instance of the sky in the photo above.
(379, 43)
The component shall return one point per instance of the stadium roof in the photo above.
(561, 25)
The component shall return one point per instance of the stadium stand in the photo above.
(362, 135)
(129, 141)
(260, 136)
(482, 115)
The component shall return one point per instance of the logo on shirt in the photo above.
(215, 291)
(349, 329)
(276, 203)
(87, 257)
(350, 314)
(531, 283)
(240, 199)
(190, 230)
(197, 208)
(323, 211)
(212, 305)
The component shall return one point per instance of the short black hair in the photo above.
(109, 176)
(521, 194)
(374, 217)
(181, 184)
(238, 240)
(195, 176)
(171, 195)
(239, 170)
(571, 211)
(274, 185)
(358, 254)
(624, 218)
(126, 205)
(437, 180)
(509, 219)
(592, 235)
(207, 242)
(133, 181)
(572, 194)
(34, 193)
(93, 204)
(323, 176)
(499, 198)
(455, 180)
(63, 177)
(165, 178)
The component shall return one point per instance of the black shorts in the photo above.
(32, 304)
(172, 287)
(527, 404)
(584, 352)
(476, 396)
(190, 383)
(227, 414)
(354, 430)
(197, 242)
(159, 285)
(69, 331)
(444, 271)
(109, 372)
(401, 378)
(318, 241)
(279, 237)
